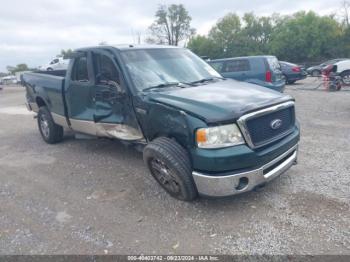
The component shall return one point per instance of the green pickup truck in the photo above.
(201, 134)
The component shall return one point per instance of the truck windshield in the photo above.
(156, 67)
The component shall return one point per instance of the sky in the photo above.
(35, 31)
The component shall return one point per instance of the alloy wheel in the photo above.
(44, 125)
(164, 176)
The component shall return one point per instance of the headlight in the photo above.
(219, 136)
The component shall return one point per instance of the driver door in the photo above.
(113, 115)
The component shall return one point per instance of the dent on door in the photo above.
(119, 131)
(114, 117)
(111, 130)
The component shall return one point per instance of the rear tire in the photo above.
(169, 163)
(291, 82)
(49, 69)
(50, 132)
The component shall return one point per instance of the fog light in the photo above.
(242, 183)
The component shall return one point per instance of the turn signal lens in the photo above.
(201, 136)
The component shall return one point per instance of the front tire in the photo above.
(169, 163)
(345, 76)
(50, 132)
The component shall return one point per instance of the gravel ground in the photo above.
(96, 196)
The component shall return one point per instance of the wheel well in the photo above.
(173, 137)
(170, 136)
(344, 72)
(40, 102)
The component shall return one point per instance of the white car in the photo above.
(343, 69)
(56, 64)
(11, 79)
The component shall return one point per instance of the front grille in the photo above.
(260, 129)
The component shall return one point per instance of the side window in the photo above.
(55, 61)
(105, 70)
(217, 66)
(80, 70)
(237, 65)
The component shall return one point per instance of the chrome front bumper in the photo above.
(220, 186)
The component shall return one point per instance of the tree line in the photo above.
(300, 37)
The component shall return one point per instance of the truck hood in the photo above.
(224, 100)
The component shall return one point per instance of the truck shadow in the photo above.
(130, 156)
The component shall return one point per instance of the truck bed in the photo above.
(45, 87)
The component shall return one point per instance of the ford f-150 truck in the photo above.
(201, 134)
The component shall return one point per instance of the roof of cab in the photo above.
(126, 47)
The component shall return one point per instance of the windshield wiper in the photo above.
(208, 79)
(163, 85)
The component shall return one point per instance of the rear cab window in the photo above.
(80, 70)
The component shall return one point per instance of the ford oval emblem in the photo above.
(275, 124)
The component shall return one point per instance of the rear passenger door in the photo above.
(238, 69)
(79, 94)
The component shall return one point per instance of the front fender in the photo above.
(162, 120)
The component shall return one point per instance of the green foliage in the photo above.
(203, 46)
(303, 36)
(65, 53)
(256, 33)
(17, 68)
(171, 26)
(226, 35)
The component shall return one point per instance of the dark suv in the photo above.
(261, 70)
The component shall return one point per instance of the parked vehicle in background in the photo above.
(201, 133)
(11, 79)
(342, 68)
(317, 70)
(261, 70)
(331, 80)
(292, 72)
(56, 64)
